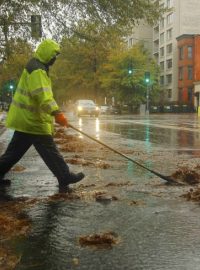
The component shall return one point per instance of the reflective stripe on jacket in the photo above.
(33, 103)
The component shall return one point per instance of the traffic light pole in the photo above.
(147, 79)
(147, 98)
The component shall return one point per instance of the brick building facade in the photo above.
(189, 69)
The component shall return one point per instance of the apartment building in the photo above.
(183, 18)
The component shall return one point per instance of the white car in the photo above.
(86, 107)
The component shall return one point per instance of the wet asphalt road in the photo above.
(160, 232)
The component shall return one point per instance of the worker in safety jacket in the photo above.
(31, 115)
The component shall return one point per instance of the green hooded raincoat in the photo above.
(33, 103)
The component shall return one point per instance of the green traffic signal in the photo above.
(130, 71)
(130, 68)
(147, 76)
(7, 90)
(11, 86)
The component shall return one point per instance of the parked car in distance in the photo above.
(104, 109)
(86, 107)
(114, 109)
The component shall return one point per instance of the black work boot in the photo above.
(75, 177)
(71, 179)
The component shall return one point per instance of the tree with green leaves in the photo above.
(62, 16)
(20, 52)
(11, 69)
(95, 69)
(122, 76)
(81, 59)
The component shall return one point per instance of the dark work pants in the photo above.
(46, 148)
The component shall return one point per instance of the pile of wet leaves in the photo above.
(83, 194)
(68, 142)
(186, 175)
(101, 240)
(81, 161)
(120, 184)
(75, 144)
(8, 260)
(192, 195)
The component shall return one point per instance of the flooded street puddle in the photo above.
(147, 223)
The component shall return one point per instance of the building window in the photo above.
(162, 80)
(169, 3)
(190, 72)
(162, 23)
(169, 34)
(190, 94)
(190, 52)
(180, 73)
(169, 63)
(162, 66)
(169, 18)
(169, 93)
(131, 42)
(169, 48)
(181, 53)
(162, 51)
(162, 38)
(169, 78)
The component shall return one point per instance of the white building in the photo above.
(183, 18)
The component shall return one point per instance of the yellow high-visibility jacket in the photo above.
(33, 103)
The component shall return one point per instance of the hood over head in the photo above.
(47, 50)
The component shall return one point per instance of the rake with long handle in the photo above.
(166, 178)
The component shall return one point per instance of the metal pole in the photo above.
(147, 97)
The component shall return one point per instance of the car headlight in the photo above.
(80, 108)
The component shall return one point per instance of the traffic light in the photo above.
(130, 68)
(36, 26)
(147, 76)
(7, 91)
(11, 86)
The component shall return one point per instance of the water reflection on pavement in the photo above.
(161, 232)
